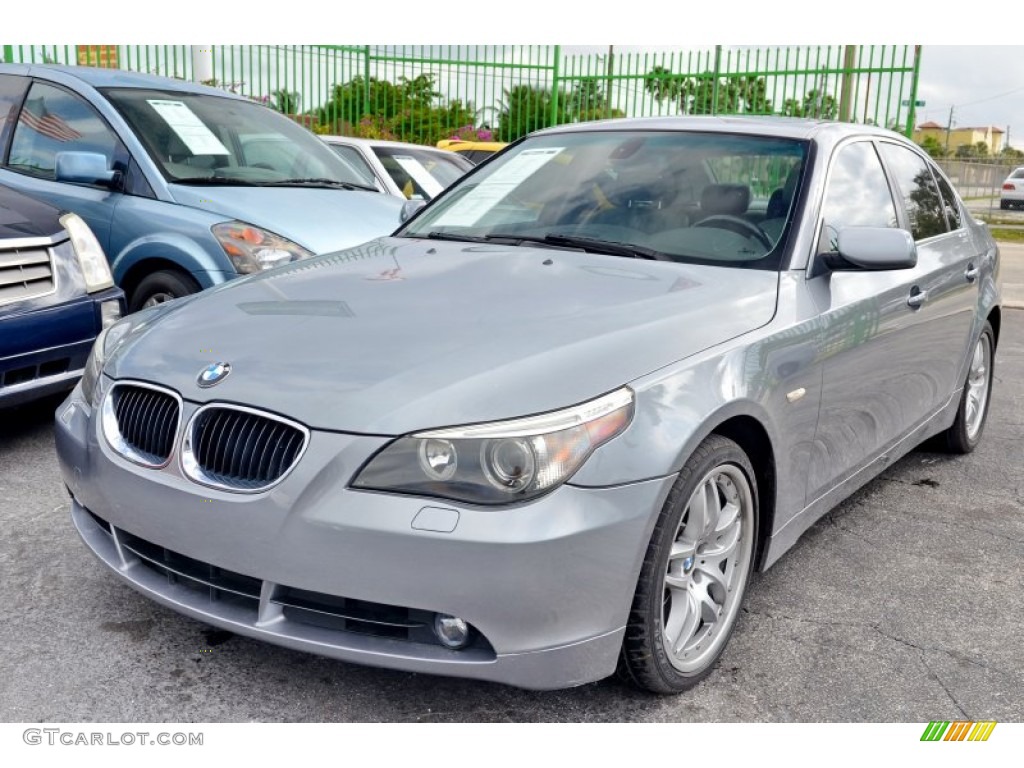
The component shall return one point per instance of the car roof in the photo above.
(376, 143)
(764, 125)
(99, 77)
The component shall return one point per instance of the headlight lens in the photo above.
(107, 342)
(94, 367)
(499, 462)
(252, 249)
(90, 253)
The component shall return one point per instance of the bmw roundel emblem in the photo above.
(212, 374)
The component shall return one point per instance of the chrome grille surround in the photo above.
(26, 269)
(141, 422)
(240, 449)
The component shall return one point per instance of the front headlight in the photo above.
(90, 253)
(500, 462)
(252, 249)
(94, 366)
(107, 342)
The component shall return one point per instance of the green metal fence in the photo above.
(427, 93)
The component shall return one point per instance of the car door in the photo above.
(53, 119)
(871, 390)
(946, 274)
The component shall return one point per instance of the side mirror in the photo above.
(410, 208)
(84, 168)
(871, 249)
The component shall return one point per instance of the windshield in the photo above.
(201, 138)
(421, 173)
(680, 196)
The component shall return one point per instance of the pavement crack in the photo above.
(803, 620)
(942, 685)
(877, 628)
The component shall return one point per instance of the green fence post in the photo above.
(366, 80)
(555, 85)
(913, 93)
(9, 54)
(714, 83)
(610, 72)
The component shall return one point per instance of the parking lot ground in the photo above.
(903, 604)
(1013, 274)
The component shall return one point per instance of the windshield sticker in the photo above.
(420, 175)
(190, 129)
(471, 208)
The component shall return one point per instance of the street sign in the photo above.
(906, 103)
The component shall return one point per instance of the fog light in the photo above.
(110, 313)
(452, 631)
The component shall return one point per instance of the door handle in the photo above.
(917, 297)
(971, 273)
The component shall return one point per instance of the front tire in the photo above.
(965, 434)
(695, 573)
(162, 286)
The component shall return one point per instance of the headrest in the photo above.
(731, 199)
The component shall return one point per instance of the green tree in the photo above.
(409, 110)
(527, 108)
(933, 146)
(816, 104)
(704, 95)
(587, 100)
(286, 102)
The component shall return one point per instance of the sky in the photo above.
(972, 67)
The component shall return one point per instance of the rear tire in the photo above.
(695, 573)
(965, 434)
(160, 287)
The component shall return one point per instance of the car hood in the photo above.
(23, 216)
(320, 220)
(400, 335)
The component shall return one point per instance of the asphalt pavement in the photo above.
(903, 604)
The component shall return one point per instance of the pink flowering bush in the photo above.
(471, 133)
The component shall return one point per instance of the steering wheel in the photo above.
(739, 226)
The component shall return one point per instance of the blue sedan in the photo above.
(56, 296)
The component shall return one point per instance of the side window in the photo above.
(949, 201)
(356, 162)
(54, 120)
(12, 90)
(857, 194)
(920, 194)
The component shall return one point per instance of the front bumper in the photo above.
(547, 584)
(43, 351)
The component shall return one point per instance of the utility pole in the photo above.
(846, 91)
(949, 127)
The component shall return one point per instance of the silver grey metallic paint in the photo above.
(548, 582)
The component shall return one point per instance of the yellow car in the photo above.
(475, 151)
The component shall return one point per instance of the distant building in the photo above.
(994, 138)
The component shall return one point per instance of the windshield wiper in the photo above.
(436, 234)
(201, 180)
(318, 182)
(588, 244)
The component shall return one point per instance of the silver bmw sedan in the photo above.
(549, 428)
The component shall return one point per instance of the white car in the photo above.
(1012, 193)
(408, 171)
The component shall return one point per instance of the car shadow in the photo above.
(24, 420)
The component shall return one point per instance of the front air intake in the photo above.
(241, 449)
(140, 422)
